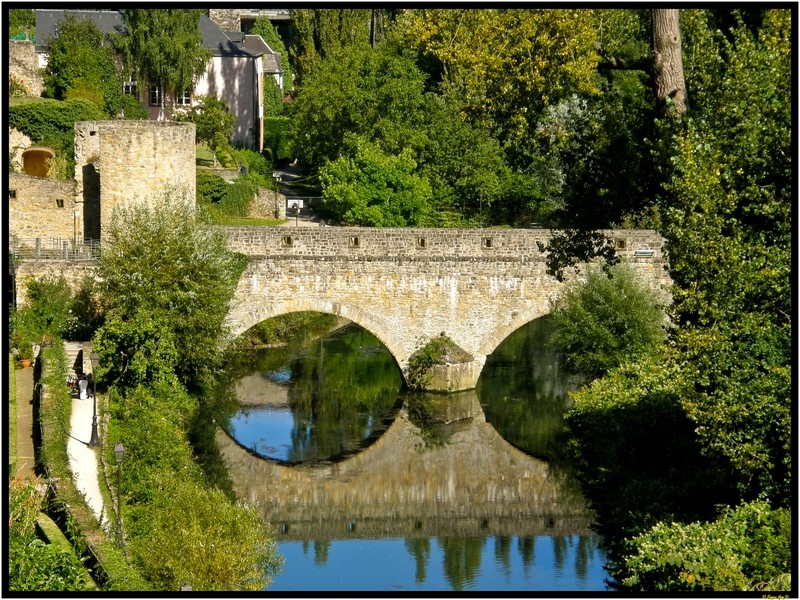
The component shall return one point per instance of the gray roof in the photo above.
(111, 20)
(46, 21)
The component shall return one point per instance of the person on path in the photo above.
(83, 384)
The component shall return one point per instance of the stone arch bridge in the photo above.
(407, 286)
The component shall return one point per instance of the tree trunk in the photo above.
(668, 61)
(665, 64)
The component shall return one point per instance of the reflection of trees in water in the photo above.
(502, 553)
(342, 388)
(526, 547)
(462, 560)
(420, 550)
(523, 391)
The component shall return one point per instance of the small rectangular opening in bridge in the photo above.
(422, 243)
(621, 243)
(286, 241)
(487, 242)
(59, 203)
(354, 242)
(12, 194)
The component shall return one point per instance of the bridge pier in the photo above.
(456, 377)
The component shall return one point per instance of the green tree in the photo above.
(163, 47)
(376, 94)
(500, 85)
(365, 186)
(48, 312)
(465, 166)
(81, 64)
(21, 20)
(213, 123)
(320, 32)
(167, 266)
(269, 33)
(608, 319)
(727, 213)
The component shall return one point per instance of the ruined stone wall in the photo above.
(23, 65)
(39, 207)
(130, 161)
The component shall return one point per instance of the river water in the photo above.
(369, 488)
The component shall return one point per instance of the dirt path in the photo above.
(25, 456)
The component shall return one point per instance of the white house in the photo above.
(234, 73)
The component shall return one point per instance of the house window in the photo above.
(129, 88)
(184, 99)
(155, 95)
(621, 243)
(286, 241)
(12, 194)
(486, 242)
(354, 242)
(59, 203)
(422, 243)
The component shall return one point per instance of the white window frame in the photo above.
(131, 88)
(155, 95)
(184, 99)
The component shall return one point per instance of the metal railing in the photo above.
(22, 249)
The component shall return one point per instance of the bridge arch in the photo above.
(262, 311)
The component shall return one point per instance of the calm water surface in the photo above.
(369, 489)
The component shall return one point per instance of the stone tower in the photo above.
(119, 162)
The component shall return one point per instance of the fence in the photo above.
(20, 249)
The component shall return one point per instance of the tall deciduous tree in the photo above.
(318, 32)
(81, 64)
(213, 123)
(728, 227)
(163, 47)
(502, 67)
(664, 64)
(372, 93)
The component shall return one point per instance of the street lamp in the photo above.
(94, 441)
(119, 454)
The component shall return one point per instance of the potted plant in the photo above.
(25, 354)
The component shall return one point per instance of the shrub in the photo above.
(32, 564)
(438, 350)
(744, 548)
(606, 320)
(211, 188)
(216, 545)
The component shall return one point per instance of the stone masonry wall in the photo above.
(227, 18)
(42, 207)
(74, 273)
(23, 65)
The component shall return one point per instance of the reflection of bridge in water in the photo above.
(470, 483)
